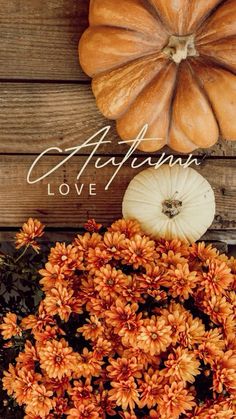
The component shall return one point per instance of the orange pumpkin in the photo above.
(166, 63)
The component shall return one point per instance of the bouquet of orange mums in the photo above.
(127, 327)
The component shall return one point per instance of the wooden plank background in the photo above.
(46, 100)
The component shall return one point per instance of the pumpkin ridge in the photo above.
(171, 105)
(172, 110)
(213, 27)
(218, 72)
(198, 81)
(133, 60)
(122, 57)
(208, 15)
(156, 14)
(167, 72)
(179, 31)
(152, 57)
(217, 62)
(203, 91)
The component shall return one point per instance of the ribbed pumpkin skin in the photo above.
(169, 64)
(170, 202)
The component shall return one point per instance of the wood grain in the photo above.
(35, 116)
(39, 39)
(20, 200)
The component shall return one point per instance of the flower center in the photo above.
(110, 282)
(180, 47)
(58, 359)
(171, 207)
(154, 336)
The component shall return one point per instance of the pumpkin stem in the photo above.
(180, 47)
(171, 207)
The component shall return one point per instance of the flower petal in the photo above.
(129, 14)
(151, 107)
(117, 89)
(193, 122)
(103, 48)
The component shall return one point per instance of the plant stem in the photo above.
(22, 254)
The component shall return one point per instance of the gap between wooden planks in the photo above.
(39, 39)
(35, 116)
(20, 200)
(7, 239)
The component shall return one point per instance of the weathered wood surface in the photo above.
(46, 101)
(39, 39)
(20, 200)
(35, 116)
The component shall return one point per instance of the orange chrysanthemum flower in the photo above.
(171, 260)
(67, 256)
(83, 411)
(150, 387)
(40, 402)
(181, 365)
(138, 251)
(109, 281)
(53, 275)
(114, 242)
(28, 356)
(127, 227)
(122, 369)
(182, 281)
(124, 393)
(87, 241)
(193, 333)
(88, 365)
(103, 347)
(125, 321)
(176, 317)
(217, 279)
(9, 327)
(177, 246)
(94, 304)
(31, 230)
(81, 392)
(217, 410)
(57, 359)
(224, 373)
(92, 330)
(154, 336)
(24, 384)
(212, 346)
(39, 322)
(9, 379)
(92, 226)
(58, 386)
(97, 258)
(201, 252)
(60, 301)
(218, 308)
(174, 400)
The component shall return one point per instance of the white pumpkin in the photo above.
(171, 202)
